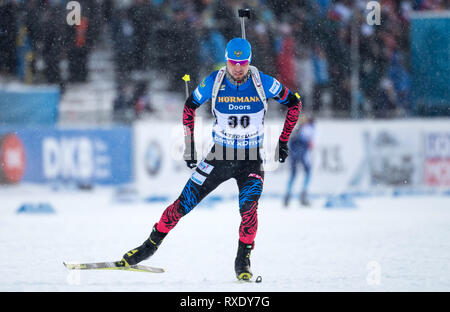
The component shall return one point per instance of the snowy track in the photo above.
(387, 244)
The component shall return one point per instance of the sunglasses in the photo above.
(241, 63)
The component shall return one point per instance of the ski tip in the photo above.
(74, 266)
(70, 266)
(258, 279)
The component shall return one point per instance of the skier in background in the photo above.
(238, 92)
(300, 146)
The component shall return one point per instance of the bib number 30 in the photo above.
(234, 121)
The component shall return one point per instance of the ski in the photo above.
(116, 265)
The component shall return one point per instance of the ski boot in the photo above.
(144, 251)
(304, 199)
(286, 201)
(242, 262)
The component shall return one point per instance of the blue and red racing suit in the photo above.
(238, 126)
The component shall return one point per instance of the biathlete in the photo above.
(238, 94)
(300, 146)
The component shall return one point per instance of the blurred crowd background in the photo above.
(306, 44)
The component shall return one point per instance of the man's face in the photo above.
(238, 69)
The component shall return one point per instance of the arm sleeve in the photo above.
(189, 117)
(293, 111)
(201, 94)
(188, 126)
(274, 89)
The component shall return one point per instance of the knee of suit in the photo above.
(307, 167)
(189, 198)
(250, 194)
(186, 205)
(246, 206)
(293, 170)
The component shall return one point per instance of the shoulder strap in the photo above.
(216, 87)
(256, 78)
(258, 85)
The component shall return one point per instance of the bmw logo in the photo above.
(153, 158)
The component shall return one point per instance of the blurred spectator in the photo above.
(32, 20)
(385, 101)
(77, 52)
(183, 50)
(401, 82)
(141, 99)
(212, 47)
(123, 41)
(307, 42)
(53, 35)
(300, 146)
(8, 34)
(306, 79)
(123, 111)
(321, 76)
(141, 13)
(24, 57)
(373, 62)
(323, 6)
(226, 18)
(433, 4)
(263, 52)
(285, 57)
(340, 69)
(107, 8)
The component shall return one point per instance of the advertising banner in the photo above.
(437, 159)
(160, 170)
(159, 164)
(347, 156)
(41, 155)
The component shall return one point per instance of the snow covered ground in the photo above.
(386, 244)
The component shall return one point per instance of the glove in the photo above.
(189, 155)
(283, 151)
(191, 164)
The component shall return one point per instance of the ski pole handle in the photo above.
(186, 79)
